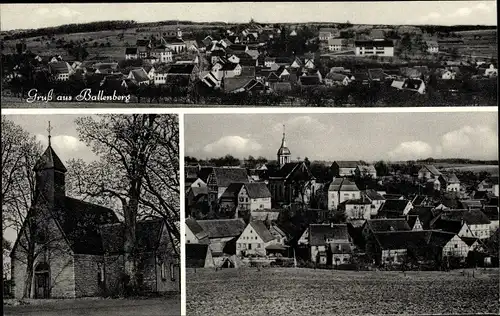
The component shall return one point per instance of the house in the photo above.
(489, 184)
(392, 248)
(344, 168)
(106, 68)
(143, 47)
(364, 171)
(60, 71)
(230, 70)
(425, 215)
(471, 204)
(465, 223)
(491, 211)
(77, 256)
(266, 215)
(327, 33)
(139, 76)
(309, 63)
(246, 196)
(376, 74)
(163, 54)
(336, 79)
(213, 79)
(198, 256)
(254, 240)
(428, 172)
(222, 235)
(357, 211)
(374, 48)
(414, 222)
(432, 47)
(449, 182)
(372, 226)
(309, 81)
(297, 63)
(182, 73)
(194, 233)
(445, 74)
(420, 200)
(417, 85)
(320, 237)
(491, 71)
(376, 199)
(131, 53)
(221, 177)
(395, 208)
(340, 190)
(456, 247)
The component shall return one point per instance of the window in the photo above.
(172, 272)
(255, 237)
(250, 246)
(456, 246)
(258, 245)
(163, 271)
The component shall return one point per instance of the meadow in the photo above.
(289, 291)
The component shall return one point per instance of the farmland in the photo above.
(326, 292)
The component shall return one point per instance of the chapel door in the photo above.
(42, 285)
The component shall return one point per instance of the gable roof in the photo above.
(257, 190)
(346, 163)
(232, 191)
(181, 69)
(373, 195)
(425, 215)
(60, 67)
(432, 169)
(402, 239)
(261, 229)
(336, 184)
(80, 222)
(139, 75)
(348, 185)
(220, 228)
(130, 50)
(225, 176)
(318, 233)
(195, 228)
(147, 235)
(392, 224)
(395, 205)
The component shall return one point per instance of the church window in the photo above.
(172, 272)
(163, 271)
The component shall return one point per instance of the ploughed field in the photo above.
(289, 291)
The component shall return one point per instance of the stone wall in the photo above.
(87, 269)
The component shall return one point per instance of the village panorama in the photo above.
(186, 63)
(277, 236)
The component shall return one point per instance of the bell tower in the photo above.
(50, 174)
(284, 153)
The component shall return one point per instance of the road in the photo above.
(109, 307)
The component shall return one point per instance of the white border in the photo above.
(182, 214)
(244, 110)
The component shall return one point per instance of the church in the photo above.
(69, 248)
(292, 182)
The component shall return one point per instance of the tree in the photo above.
(381, 168)
(20, 151)
(138, 168)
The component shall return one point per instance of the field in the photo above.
(491, 169)
(327, 292)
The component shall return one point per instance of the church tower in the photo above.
(50, 175)
(283, 153)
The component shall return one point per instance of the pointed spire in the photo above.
(49, 129)
(283, 142)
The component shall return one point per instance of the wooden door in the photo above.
(41, 285)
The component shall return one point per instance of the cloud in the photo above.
(411, 150)
(60, 12)
(461, 15)
(430, 17)
(234, 145)
(471, 142)
(461, 12)
(64, 144)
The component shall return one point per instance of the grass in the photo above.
(167, 306)
(326, 292)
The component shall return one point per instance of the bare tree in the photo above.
(138, 168)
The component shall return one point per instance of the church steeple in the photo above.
(50, 173)
(284, 153)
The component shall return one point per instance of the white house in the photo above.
(374, 48)
(194, 233)
(337, 44)
(432, 47)
(456, 247)
(341, 190)
(164, 55)
(254, 239)
(428, 172)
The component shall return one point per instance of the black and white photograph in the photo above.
(91, 215)
(342, 213)
(249, 54)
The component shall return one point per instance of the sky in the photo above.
(64, 138)
(14, 16)
(345, 136)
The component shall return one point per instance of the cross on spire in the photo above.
(49, 129)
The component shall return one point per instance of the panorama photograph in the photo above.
(90, 215)
(342, 214)
(317, 54)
